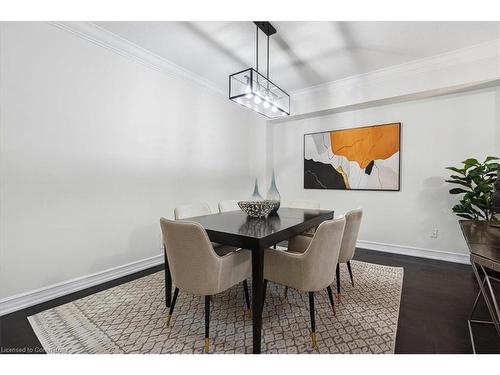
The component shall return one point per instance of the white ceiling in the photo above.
(303, 54)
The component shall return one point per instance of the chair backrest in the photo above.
(304, 204)
(193, 263)
(321, 256)
(352, 224)
(228, 205)
(191, 210)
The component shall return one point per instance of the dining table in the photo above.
(236, 228)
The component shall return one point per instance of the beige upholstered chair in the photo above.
(311, 269)
(197, 269)
(351, 231)
(307, 205)
(191, 210)
(353, 222)
(199, 209)
(228, 205)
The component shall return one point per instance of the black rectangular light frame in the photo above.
(253, 73)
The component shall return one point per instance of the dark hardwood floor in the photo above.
(436, 302)
(435, 305)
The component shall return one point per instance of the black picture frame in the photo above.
(400, 126)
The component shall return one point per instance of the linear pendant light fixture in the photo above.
(255, 91)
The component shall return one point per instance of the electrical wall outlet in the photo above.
(434, 233)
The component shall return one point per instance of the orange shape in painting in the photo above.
(363, 145)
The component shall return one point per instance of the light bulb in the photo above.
(257, 100)
(266, 105)
(273, 108)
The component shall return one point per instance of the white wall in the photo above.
(96, 147)
(436, 132)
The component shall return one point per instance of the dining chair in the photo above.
(199, 209)
(353, 221)
(191, 210)
(197, 269)
(304, 204)
(228, 205)
(311, 269)
(348, 247)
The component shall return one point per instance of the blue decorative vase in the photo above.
(273, 194)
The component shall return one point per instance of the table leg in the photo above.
(493, 312)
(492, 294)
(257, 296)
(168, 279)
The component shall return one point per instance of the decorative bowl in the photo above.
(257, 208)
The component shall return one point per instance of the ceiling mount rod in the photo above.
(269, 30)
(267, 70)
(266, 27)
(257, 48)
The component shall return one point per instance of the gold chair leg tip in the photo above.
(249, 313)
(207, 345)
(334, 312)
(313, 340)
(167, 320)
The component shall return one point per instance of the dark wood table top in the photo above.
(482, 239)
(237, 229)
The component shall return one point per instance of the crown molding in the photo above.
(123, 47)
(485, 50)
(470, 66)
(466, 66)
(393, 100)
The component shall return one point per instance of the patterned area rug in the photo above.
(130, 318)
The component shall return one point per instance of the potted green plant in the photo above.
(476, 182)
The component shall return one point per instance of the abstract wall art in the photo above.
(364, 158)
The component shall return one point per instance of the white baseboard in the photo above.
(23, 300)
(414, 251)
